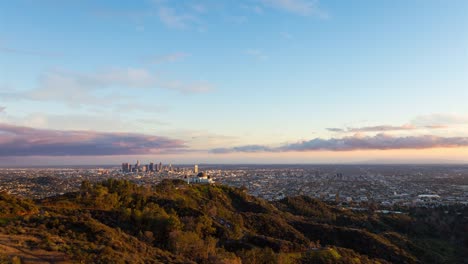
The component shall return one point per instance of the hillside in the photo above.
(119, 222)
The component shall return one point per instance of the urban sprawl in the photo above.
(348, 185)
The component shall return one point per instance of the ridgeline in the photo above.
(116, 221)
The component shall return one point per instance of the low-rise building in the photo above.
(201, 178)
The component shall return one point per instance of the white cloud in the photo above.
(172, 19)
(253, 8)
(440, 120)
(78, 88)
(423, 122)
(300, 7)
(201, 139)
(172, 57)
(81, 88)
(110, 121)
(237, 19)
(194, 87)
(135, 106)
(286, 35)
(199, 8)
(173, 16)
(256, 53)
(4, 49)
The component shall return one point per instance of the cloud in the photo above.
(422, 122)
(384, 128)
(335, 129)
(188, 88)
(253, 8)
(358, 142)
(379, 141)
(256, 53)
(178, 16)
(2, 109)
(173, 57)
(286, 35)
(237, 19)
(110, 120)
(300, 7)
(436, 126)
(136, 15)
(199, 8)
(172, 19)
(435, 120)
(26, 141)
(79, 88)
(200, 139)
(247, 149)
(140, 28)
(132, 106)
(4, 49)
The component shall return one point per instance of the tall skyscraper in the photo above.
(126, 167)
(195, 169)
(151, 166)
(137, 166)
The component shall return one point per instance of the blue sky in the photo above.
(212, 75)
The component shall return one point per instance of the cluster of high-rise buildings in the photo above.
(138, 167)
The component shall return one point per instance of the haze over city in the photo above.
(254, 81)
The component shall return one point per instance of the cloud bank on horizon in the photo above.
(357, 142)
(26, 141)
(384, 128)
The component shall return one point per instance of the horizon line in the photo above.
(455, 163)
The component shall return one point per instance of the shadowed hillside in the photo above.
(116, 221)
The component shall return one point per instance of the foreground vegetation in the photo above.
(119, 222)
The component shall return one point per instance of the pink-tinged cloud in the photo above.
(436, 126)
(356, 142)
(26, 141)
(383, 128)
(2, 109)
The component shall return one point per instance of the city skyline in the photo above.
(254, 81)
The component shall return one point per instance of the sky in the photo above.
(223, 81)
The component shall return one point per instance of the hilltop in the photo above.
(116, 221)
